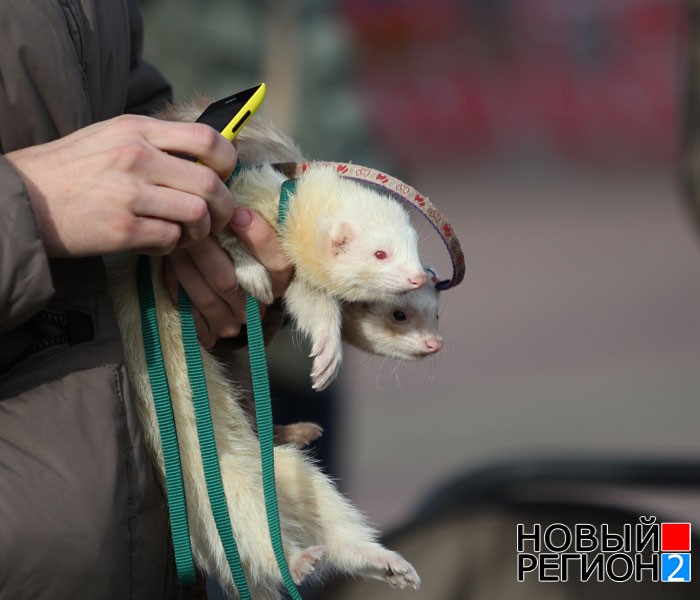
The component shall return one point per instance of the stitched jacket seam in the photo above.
(71, 14)
(127, 449)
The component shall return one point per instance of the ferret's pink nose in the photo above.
(418, 280)
(433, 344)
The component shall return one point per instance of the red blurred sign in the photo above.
(597, 81)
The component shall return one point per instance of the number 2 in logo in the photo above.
(675, 567)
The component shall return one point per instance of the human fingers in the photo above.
(198, 180)
(217, 320)
(261, 239)
(160, 202)
(204, 334)
(217, 268)
(158, 169)
(193, 139)
(156, 236)
(137, 137)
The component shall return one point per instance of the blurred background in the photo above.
(550, 133)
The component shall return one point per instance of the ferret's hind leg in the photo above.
(242, 479)
(318, 316)
(326, 519)
(297, 434)
(303, 563)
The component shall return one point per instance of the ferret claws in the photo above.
(297, 434)
(392, 568)
(303, 563)
(255, 280)
(328, 356)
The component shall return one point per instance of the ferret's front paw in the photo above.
(328, 355)
(303, 563)
(255, 280)
(391, 567)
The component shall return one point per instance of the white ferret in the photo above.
(405, 327)
(347, 244)
(402, 326)
(320, 529)
(363, 251)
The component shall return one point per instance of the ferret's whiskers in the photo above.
(395, 373)
(359, 366)
(363, 362)
(377, 385)
(366, 358)
(447, 301)
(431, 370)
(379, 372)
(423, 236)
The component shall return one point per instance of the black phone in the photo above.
(230, 114)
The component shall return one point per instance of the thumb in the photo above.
(264, 244)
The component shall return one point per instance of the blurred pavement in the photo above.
(576, 330)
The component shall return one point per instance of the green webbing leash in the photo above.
(168, 432)
(263, 415)
(207, 443)
(288, 187)
(166, 423)
(161, 395)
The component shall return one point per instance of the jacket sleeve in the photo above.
(25, 279)
(148, 89)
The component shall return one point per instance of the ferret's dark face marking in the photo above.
(405, 327)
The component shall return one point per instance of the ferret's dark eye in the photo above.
(399, 316)
(380, 255)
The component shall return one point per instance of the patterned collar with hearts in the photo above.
(402, 191)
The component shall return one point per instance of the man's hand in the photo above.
(113, 186)
(207, 274)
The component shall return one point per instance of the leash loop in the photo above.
(174, 484)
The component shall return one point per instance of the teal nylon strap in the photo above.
(263, 411)
(207, 443)
(166, 423)
(263, 415)
(288, 187)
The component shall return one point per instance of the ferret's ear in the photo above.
(342, 235)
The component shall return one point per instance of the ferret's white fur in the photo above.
(376, 328)
(320, 529)
(373, 326)
(333, 229)
(370, 326)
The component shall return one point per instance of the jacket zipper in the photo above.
(50, 317)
